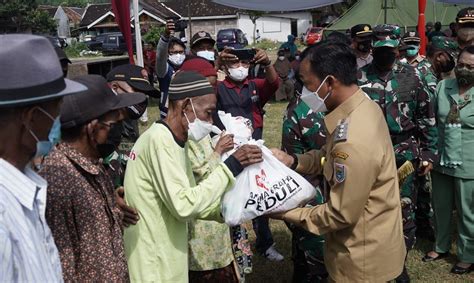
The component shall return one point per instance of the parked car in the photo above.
(95, 43)
(233, 38)
(57, 41)
(313, 35)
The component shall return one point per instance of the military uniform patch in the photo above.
(339, 172)
(340, 155)
(340, 133)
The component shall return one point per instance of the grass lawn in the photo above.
(266, 271)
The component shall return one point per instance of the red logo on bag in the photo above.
(261, 179)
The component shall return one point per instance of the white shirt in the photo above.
(27, 249)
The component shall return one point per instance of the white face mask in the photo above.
(208, 55)
(297, 58)
(313, 100)
(238, 74)
(281, 58)
(198, 129)
(177, 59)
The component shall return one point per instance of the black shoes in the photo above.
(461, 270)
(403, 278)
(428, 258)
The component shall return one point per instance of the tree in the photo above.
(40, 22)
(254, 15)
(153, 34)
(24, 16)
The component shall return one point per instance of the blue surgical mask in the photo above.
(413, 50)
(208, 55)
(54, 136)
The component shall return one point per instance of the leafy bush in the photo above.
(153, 34)
(267, 44)
(74, 49)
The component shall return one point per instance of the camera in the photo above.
(179, 24)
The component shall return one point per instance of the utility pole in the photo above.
(189, 24)
(385, 12)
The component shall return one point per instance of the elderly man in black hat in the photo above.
(362, 44)
(31, 92)
(160, 183)
(81, 209)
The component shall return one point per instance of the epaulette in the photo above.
(340, 133)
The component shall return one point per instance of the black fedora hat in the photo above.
(95, 102)
(30, 71)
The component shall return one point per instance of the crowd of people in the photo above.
(383, 133)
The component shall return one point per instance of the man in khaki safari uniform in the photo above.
(362, 219)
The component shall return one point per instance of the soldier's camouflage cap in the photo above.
(386, 36)
(446, 44)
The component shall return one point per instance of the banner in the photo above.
(121, 9)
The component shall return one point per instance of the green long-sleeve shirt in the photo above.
(159, 182)
(455, 144)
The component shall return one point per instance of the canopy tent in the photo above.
(276, 5)
(466, 2)
(401, 12)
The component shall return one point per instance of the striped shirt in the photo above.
(27, 249)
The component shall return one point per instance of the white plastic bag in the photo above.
(263, 188)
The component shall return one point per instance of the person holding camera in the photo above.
(170, 55)
(241, 96)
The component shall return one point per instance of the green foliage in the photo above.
(24, 15)
(153, 34)
(266, 44)
(71, 3)
(17, 11)
(74, 49)
(40, 22)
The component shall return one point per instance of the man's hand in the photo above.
(283, 157)
(261, 57)
(225, 143)
(130, 215)
(169, 30)
(248, 155)
(425, 168)
(225, 57)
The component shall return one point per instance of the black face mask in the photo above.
(105, 149)
(364, 46)
(448, 66)
(464, 76)
(115, 134)
(384, 57)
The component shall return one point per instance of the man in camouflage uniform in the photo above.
(130, 79)
(409, 111)
(440, 58)
(411, 47)
(303, 131)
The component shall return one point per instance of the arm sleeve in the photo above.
(162, 58)
(347, 198)
(6, 256)
(182, 198)
(426, 124)
(309, 163)
(266, 89)
(60, 209)
(201, 164)
(292, 138)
